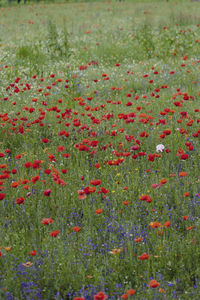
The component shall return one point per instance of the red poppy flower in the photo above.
(2, 196)
(154, 224)
(189, 228)
(33, 253)
(103, 190)
(154, 283)
(95, 182)
(97, 165)
(45, 141)
(83, 148)
(54, 233)
(88, 190)
(66, 155)
(172, 175)
(144, 256)
(177, 103)
(155, 185)
(144, 134)
(131, 292)
(76, 228)
(47, 221)
(186, 194)
(126, 202)
(36, 164)
(47, 171)
(60, 148)
(163, 181)
(20, 200)
(167, 132)
(27, 164)
(141, 153)
(184, 156)
(151, 157)
(100, 296)
(146, 198)
(47, 192)
(138, 240)
(35, 179)
(7, 150)
(98, 211)
(25, 181)
(183, 174)
(167, 224)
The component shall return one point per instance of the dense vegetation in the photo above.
(99, 151)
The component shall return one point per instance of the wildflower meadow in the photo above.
(100, 150)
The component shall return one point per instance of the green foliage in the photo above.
(58, 42)
(31, 55)
(145, 41)
(119, 69)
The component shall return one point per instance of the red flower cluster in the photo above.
(146, 198)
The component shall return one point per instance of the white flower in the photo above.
(160, 148)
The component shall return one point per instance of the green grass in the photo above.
(107, 77)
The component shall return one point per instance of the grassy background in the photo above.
(42, 39)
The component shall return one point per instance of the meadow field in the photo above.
(99, 150)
